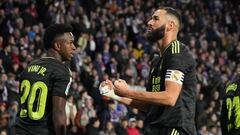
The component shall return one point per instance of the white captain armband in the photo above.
(174, 76)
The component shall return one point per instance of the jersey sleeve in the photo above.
(61, 85)
(176, 62)
(179, 61)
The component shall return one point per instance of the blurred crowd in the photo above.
(111, 44)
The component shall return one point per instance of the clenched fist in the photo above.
(121, 87)
(106, 89)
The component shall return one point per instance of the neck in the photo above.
(54, 54)
(164, 42)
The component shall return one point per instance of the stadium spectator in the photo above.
(93, 126)
(132, 128)
(108, 129)
(140, 126)
(12, 110)
(122, 128)
(22, 25)
(71, 111)
(4, 116)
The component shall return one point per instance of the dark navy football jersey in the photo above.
(230, 115)
(39, 82)
(176, 57)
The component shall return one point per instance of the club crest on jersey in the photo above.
(175, 76)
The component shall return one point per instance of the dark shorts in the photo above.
(164, 131)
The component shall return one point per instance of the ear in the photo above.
(170, 25)
(56, 46)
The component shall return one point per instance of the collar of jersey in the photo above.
(49, 58)
(54, 60)
(169, 46)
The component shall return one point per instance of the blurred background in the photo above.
(111, 44)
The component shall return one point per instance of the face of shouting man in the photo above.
(156, 26)
(160, 23)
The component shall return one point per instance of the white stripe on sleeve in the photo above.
(175, 76)
(68, 86)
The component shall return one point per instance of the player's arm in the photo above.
(107, 89)
(177, 65)
(167, 97)
(59, 115)
(62, 81)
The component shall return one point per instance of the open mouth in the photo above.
(149, 29)
(71, 54)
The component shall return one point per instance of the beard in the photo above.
(156, 34)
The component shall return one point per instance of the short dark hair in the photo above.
(175, 13)
(54, 31)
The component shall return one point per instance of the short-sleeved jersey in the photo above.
(39, 82)
(175, 57)
(230, 116)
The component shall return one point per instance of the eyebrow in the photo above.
(155, 17)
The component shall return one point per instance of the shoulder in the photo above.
(179, 57)
(34, 61)
(176, 47)
(56, 66)
(179, 51)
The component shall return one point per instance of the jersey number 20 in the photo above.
(29, 92)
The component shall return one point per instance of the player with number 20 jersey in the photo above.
(37, 85)
(44, 86)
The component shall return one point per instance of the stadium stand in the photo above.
(111, 44)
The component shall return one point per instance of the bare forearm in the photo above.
(134, 103)
(167, 97)
(158, 98)
(59, 121)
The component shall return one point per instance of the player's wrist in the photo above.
(116, 97)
